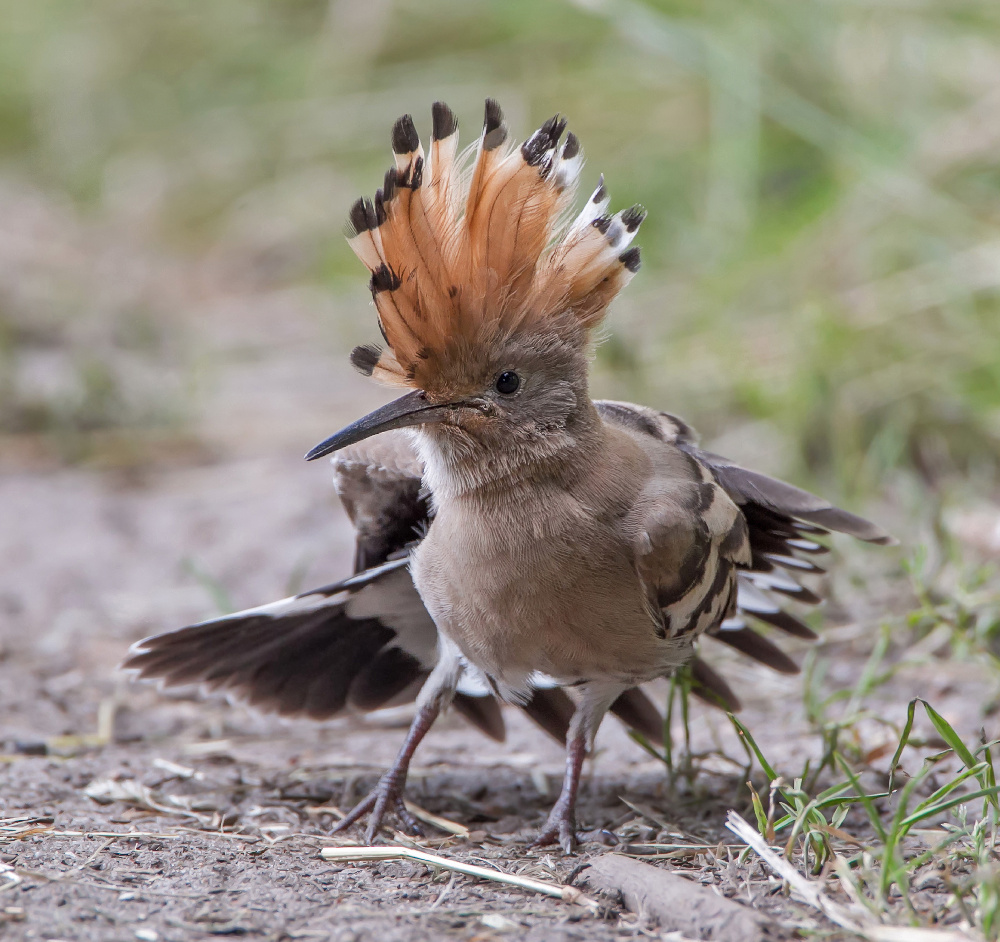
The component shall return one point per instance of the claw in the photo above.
(385, 797)
(560, 828)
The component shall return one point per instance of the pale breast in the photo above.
(548, 579)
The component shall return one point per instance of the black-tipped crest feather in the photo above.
(444, 121)
(494, 129)
(383, 279)
(365, 357)
(405, 139)
(631, 259)
(632, 218)
(449, 266)
(362, 217)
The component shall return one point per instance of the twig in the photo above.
(100, 850)
(152, 835)
(676, 904)
(443, 894)
(442, 824)
(9, 874)
(568, 893)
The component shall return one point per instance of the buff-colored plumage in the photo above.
(454, 263)
(515, 536)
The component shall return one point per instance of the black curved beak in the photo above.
(411, 409)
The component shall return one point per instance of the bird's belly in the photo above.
(570, 608)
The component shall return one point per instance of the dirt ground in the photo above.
(231, 845)
(223, 831)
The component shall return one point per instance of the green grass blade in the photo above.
(918, 816)
(864, 798)
(948, 734)
(747, 737)
(904, 738)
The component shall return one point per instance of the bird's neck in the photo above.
(458, 465)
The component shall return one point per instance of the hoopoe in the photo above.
(515, 537)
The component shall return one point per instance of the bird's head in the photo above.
(486, 296)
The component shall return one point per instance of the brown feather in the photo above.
(713, 689)
(482, 712)
(506, 264)
(552, 709)
(756, 646)
(637, 712)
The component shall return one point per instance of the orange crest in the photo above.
(470, 259)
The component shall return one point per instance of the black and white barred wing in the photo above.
(783, 535)
(786, 528)
(363, 643)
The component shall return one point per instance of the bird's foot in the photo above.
(560, 828)
(385, 798)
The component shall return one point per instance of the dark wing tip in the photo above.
(552, 709)
(572, 146)
(843, 521)
(755, 646)
(712, 688)
(637, 711)
(405, 139)
(482, 712)
(444, 121)
(780, 497)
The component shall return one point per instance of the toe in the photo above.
(410, 823)
(567, 839)
(545, 837)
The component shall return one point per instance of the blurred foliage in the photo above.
(822, 251)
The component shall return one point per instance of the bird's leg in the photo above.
(387, 795)
(561, 824)
(560, 827)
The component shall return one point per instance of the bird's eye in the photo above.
(508, 382)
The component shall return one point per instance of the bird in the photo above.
(517, 541)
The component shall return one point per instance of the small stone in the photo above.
(498, 923)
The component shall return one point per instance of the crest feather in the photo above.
(451, 267)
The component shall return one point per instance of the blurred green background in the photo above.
(822, 254)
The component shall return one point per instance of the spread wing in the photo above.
(360, 644)
(784, 527)
(368, 642)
